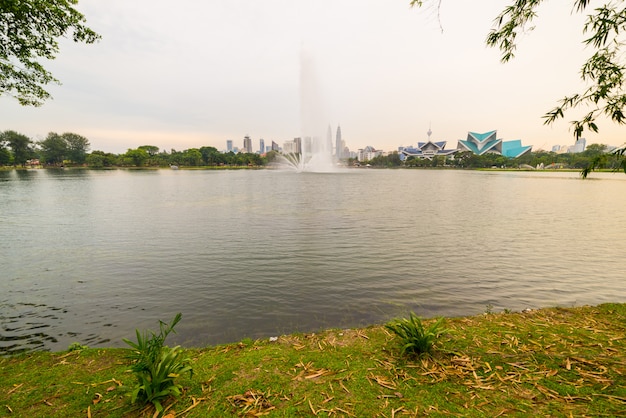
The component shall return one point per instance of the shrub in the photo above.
(76, 346)
(157, 366)
(415, 338)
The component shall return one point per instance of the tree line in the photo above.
(71, 149)
(596, 156)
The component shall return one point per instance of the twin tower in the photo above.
(340, 145)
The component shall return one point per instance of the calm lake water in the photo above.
(88, 256)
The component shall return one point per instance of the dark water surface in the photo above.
(88, 256)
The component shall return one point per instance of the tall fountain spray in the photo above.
(314, 149)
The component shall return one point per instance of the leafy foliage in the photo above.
(76, 346)
(416, 339)
(604, 71)
(55, 149)
(603, 160)
(29, 30)
(20, 145)
(156, 366)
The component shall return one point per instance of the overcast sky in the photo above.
(198, 72)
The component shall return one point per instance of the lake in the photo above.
(89, 256)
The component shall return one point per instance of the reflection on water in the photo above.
(88, 256)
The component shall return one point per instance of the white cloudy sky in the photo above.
(198, 72)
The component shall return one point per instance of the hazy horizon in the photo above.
(199, 74)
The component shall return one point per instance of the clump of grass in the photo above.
(156, 366)
(416, 339)
(76, 346)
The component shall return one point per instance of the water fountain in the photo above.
(311, 153)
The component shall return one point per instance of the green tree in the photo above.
(438, 161)
(99, 159)
(192, 157)
(603, 71)
(176, 157)
(272, 156)
(5, 154)
(29, 33)
(152, 150)
(593, 150)
(254, 159)
(211, 156)
(77, 147)
(461, 159)
(615, 160)
(230, 158)
(137, 157)
(95, 159)
(54, 148)
(21, 146)
(394, 159)
(414, 161)
(391, 160)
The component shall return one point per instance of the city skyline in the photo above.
(201, 73)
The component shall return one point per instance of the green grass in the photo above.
(551, 362)
(156, 366)
(416, 339)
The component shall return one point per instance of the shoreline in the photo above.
(548, 362)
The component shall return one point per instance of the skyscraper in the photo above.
(261, 146)
(579, 145)
(247, 145)
(229, 145)
(338, 144)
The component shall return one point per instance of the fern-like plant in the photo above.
(416, 339)
(156, 366)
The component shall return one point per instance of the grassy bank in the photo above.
(550, 362)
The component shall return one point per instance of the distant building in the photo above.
(579, 145)
(229, 145)
(514, 148)
(261, 146)
(247, 145)
(293, 147)
(274, 146)
(428, 149)
(368, 153)
(487, 142)
(339, 144)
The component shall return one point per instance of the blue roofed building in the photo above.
(428, 150)
(514, 149)
(488, 142)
